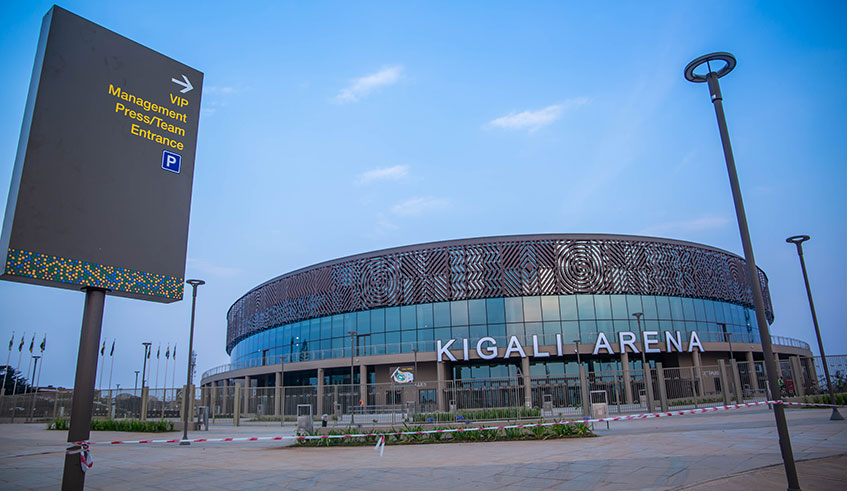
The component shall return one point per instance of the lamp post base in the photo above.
(185, 442)
(836, 416)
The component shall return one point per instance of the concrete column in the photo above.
(648, 385)
(627, 379)
(192, 396)
(363, 383)
(736, 377)
(663, 391)
(320, 405)
(527, 382)
(144, 396)
(213, 399)
(797, 375)
(278, 394)
(441, 386)
(724, 382)
(236, 410)
(751, 367)
(698, 369)
(245, 404)
(584, 391)
(810, 368)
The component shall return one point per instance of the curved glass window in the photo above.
(575, 317)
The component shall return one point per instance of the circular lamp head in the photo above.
(797, 239)
(195, 283)
(719, 56)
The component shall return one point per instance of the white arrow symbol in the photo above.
(186, 84)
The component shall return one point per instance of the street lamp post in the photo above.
(728, 336)
(798, 241)
(648, 378)
(711, 79)
(144, 366)
(578, 361)
(352, 383)
(135, 390)
(186, 416)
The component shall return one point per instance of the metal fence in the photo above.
(612, 392)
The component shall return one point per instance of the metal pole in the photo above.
(35, 390)
(8, 356)
(753, 273)
(144, 366)
(187, 417)
(135, 390)
(352, 343)
(798, 241)
(648, 378)
(578, 360)
(83, 398)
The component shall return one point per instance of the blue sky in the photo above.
(333, 128)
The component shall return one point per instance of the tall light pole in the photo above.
(136, 383)
(578, 361)
(648, 378)
(187, 417)
(798, 241)
(352, 352)
(144, 367)
(728, 336)
(711, 79)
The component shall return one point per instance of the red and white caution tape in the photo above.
(86, 461)
(382, 436)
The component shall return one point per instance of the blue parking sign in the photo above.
(171, 161)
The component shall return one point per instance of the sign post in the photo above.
(101, 188)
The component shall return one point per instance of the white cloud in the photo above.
(384, 174)
(211, 269)
(682, 226)
(362, 86)
(419, 206)
(215, 89)
(534, 120)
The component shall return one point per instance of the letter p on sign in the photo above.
(171, 161)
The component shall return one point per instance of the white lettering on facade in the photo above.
(465, 349)
(535, 351)
(444, 350)
(649, 340)
(629, 341)
(514, 345)
(695, 341)
(670, 341)
(558, 344)
(492, 350)
(603, 343)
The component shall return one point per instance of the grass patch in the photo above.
(117, 425)
(563, 430)
(840, 399)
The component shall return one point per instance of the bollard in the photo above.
(145, 391)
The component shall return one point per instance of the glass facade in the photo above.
(404, 329)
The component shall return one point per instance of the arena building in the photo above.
(512, 310)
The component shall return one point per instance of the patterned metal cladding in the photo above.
(495, 267)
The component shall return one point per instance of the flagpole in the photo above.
(173, 380)
(9, 355)
(103, 362)
(112, 367)
(29, 364)
(158, 351)
(20, 353)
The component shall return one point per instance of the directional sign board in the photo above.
(101, 187)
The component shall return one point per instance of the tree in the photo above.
(11, 375)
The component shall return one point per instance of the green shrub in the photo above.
(501, 413)
(118, 425)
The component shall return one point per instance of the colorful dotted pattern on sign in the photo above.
(73, 271)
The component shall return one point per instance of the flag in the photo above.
(103, 349)
(43, 343)
(158, 351)
(112, 352)
(148, 351)
(11, 341)
(168, 353)
(21, 346)
(174, 352)
(32, 343)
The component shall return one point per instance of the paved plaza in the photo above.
(727, 450)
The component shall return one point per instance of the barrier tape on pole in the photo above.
(86, 461)
(628, 417)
